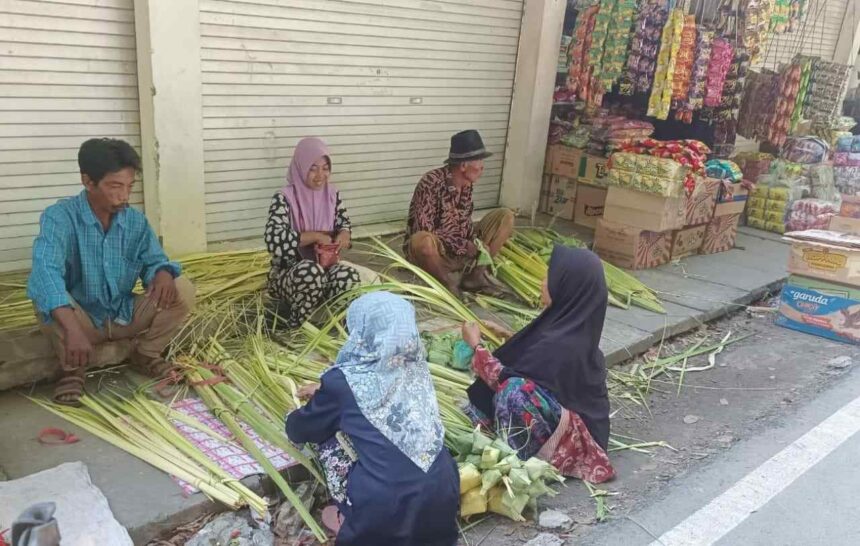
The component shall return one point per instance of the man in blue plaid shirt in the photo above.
(91, 251)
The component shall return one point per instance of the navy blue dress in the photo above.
(390, 501)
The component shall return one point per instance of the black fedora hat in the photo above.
(467, 146)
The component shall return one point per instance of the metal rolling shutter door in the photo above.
(67, 73)
(386, 86)
(817, 36)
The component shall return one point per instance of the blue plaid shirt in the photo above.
(74, 257)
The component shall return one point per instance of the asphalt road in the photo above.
(796, 484)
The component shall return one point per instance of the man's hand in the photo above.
(306, 392)
(471, 334)
(79, 350)
(343, 239)
(162, 291)
(78, 347)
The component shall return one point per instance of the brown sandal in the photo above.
(69, 390)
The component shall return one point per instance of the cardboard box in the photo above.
(631, 247)
(561, 197)
(729, 209)
(845, 225)
(644, 210)
(825, 255)
(700, 205)
(721, 234)
(589, 206)
(731, 200)
(830, 288)
(818, 313)
(730, 193)
(850, 206)
(687, 241)
(594, 170)
(567, 161)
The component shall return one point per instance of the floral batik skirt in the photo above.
(337, 457)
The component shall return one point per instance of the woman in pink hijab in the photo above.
(307, 223)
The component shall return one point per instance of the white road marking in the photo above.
(720, 516)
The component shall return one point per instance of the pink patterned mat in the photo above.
(235, 460)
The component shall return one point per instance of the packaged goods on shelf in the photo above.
(807, 214)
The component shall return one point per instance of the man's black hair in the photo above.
(100, 156)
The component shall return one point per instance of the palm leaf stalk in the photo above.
(523, 264)
(139, 429)
(227, 408)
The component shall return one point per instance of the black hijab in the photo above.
(560, 349)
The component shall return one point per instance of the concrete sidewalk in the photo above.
(148, 502)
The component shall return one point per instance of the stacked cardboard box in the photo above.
(561, 196)
(688, 240)
(642, 229)
(574, 185)
(637, 228)
(722, 230)
(822, 296)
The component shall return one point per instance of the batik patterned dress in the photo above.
(536, 425)
(302, 283)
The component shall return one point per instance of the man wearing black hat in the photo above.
(440, 235)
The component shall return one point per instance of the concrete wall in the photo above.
(171, 112)
(532, 103)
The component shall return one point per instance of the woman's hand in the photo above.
(310, 238)
(471, 334)
(343, 239)
(306, 392)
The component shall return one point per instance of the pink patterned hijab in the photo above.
(310, 210)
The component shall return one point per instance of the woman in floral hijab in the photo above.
(403, 487)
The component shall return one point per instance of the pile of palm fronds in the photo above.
(220, 278)
(243, 386)
(144, 428)
(523, 262)
(247, 379)
(16, 311)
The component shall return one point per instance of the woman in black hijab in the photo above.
(546, 387)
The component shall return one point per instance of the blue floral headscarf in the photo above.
(384, 363)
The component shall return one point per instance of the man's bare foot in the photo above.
(454, 288)
(475, 280)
